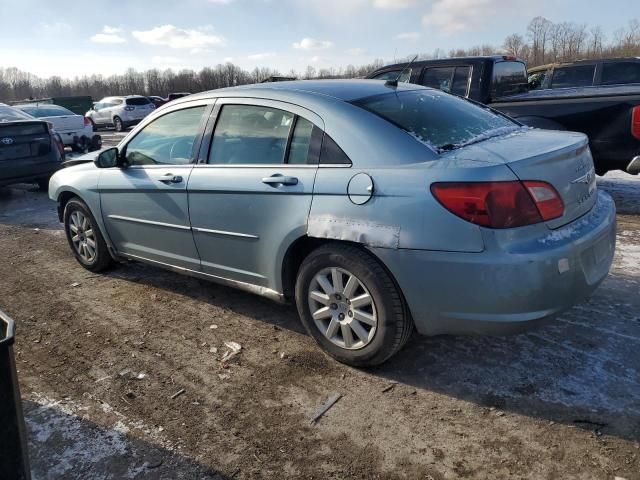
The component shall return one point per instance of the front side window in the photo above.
(138, 101)
(402, 76)
(441, 121)
(509, 78)
(619, 73)
(250, 134)
(460, 81)
(575, 76)
(167, 140)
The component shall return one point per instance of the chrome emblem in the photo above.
(587, 178)
(7, 141)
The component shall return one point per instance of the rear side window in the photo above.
(509, 78)
(441, 121)
(438, 77)
(167, 140)
(575, 76)
(620, 73)
(393, 74)
(138, 101)
(332, 154)
(249, 134)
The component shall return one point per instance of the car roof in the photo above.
(313, 90)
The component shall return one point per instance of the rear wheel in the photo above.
(117, 123)
(351, 306)
(84, 237)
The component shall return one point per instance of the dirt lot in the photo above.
(100, 357)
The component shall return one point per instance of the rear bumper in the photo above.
(501, 290)
(29, 169)
(71, 137)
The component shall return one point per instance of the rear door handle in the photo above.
(170, 178)
(278, 179)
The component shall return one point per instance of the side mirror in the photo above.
(107, 158)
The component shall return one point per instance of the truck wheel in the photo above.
(117, 123)
(351, 306)
(84, 237)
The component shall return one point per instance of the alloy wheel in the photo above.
(342, 308)
(83, 236)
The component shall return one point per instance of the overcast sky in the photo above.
(71, 38)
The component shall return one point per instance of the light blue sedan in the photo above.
(375, 207)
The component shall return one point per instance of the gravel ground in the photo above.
(101, 356)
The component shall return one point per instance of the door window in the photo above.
(438, 77)
(620, 73)
(575, 76)
(460, 81)
(168, 140)
(250, 134)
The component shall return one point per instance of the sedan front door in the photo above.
(145, 206)
(251, 191)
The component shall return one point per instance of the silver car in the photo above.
(375, 207)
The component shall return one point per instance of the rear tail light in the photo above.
(500, 204)
(87, 121)
(129, 109)
(59, 144)
(635, 122)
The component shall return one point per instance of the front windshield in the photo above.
(440, 120)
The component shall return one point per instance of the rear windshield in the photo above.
(509, 78)
(9, 114)
(138, 101)
(442, 121)
(46, 111)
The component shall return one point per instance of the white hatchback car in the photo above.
(120, 112)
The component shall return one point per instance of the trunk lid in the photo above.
(66, 123)
(26, 139)
(562, 159)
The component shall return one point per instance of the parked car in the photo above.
(30, 151)
(587, 73)
(174, 96)
(78, 104)
(157, 101)
(374, 208)
(120, 112)
(75, 131)
(608, 115)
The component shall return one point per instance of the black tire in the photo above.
(394, 324)
(117, 124)
(102, 259)
(43, 184)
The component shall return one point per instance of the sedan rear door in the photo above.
(250, 193)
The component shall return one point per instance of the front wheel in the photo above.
(117, 123)
(84, 237)
(351, 306)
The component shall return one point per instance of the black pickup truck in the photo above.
(608, 115)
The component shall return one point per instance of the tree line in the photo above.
(543, 42)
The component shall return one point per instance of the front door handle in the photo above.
(278, 179)
(171, 178)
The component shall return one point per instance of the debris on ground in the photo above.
(75, 284)
(234, 349)
(213, 327)
(213, 350)
(283, 355)
(178, 393)
(141, 376)
(389, 387)
(331, 401)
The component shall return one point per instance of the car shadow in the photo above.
(62, 443)
(581, 369)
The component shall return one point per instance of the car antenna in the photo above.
(394, 83)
